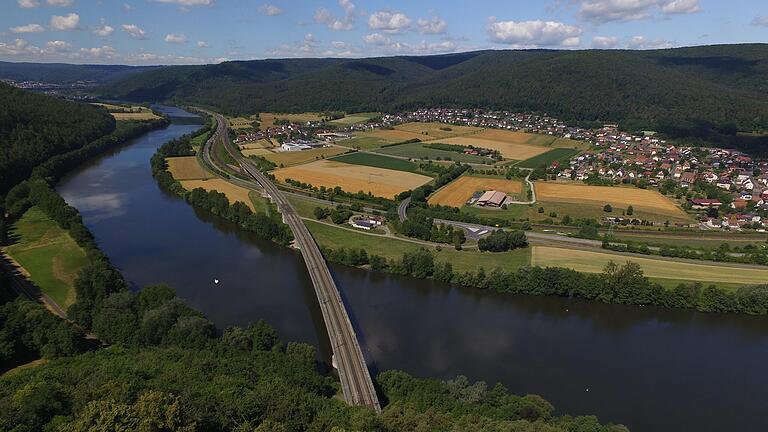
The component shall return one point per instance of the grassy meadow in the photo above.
(421, 151)
(378, 161)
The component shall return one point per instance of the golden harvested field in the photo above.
(456, 193)
(256, 152)
(300, 157)
(643, 200)
(267, 120)
(434, 129)
(508, 150)
(393, 135)
(530, 139)
(233, 193)
(594, 262)
(147, 115)
(353, 178)
(187, 168)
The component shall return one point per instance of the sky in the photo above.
(142, 32)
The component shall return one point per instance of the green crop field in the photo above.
(378, 161)
(420, 151)
(49, 254)
(355, 118)
(562, 155)
(391, 248)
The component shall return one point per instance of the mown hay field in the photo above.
(458, 192)
(287, 159)
(260, 144)
(256, 152)
(353, 178)
(233, 193)
(541, 140)
(241, 122)
(643, 200)
(508, 150)
(267, 120)
(595, 262)
(437, 130)
(378, 161)
(49, 254)
(136, 116)
(187, 168)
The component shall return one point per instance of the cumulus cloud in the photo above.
(347, 22)
(760, 21)
(65, 23)
(103, 30)
(605, 42)
(188, 2)
(376, 39)
(28, 4)
(434, 25)
(202, 44)
(58, 45)
(601, 11)
(270, 10)
(176, 38)
(534, 33)
(61, 3)
(134, 31)
(29, 28)
(641, 42)
(389, 22)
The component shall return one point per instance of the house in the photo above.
(739, 204)
(362, 224)
(704, 203)
(687, 179)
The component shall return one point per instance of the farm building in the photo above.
(492, 199)
(367, 223)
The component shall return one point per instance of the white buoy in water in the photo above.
(216, 281)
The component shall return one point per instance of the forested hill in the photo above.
(60, 73)
(34, 127)
(724, 85)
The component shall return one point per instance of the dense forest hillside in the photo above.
(34, 128)
(684, 90)
(59, 73)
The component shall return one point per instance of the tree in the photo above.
(630, 210)
(607, 208)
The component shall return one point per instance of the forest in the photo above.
(702, 94)
(34, 128)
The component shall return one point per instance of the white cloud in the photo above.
(104, 52)
(339, 44)
(760, 21)
(188, 2)
(605, 42)
(58, 45)
(103, 30)
(641, 42)
(376, 39)
(19, 47)
(61, 3)
(28, 4)
(534, 33)
(66, 23)
(202, 44)
(270, 10)
(134, 31)
(389, 22)
(347, 22)
(434, 25)
(601, 11)
(29, 28)
(176, 38)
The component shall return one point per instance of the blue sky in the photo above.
(209, 31)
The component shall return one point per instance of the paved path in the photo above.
(355, 377)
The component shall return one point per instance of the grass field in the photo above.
(353, 178)
(187, 168)
(391, 248)
(377, 161)
(199, 140)
(508, 150)
(49, 254)
(379, 137)
(562, 155)
(139, 116)
(233, 193)
(420, 151)
(595, 262)
(645, 201)
(267, 120)
(456, 193)
(137, 112)
(287, 159)
(256, 152)
(355, 118)
(428, 131)
(260, 144)
(241, 122)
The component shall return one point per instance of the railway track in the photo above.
(348, 358)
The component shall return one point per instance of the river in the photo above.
(651, 369)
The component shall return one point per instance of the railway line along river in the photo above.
(648, 368)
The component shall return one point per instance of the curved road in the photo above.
(355, 378)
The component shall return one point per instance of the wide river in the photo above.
(650, 369)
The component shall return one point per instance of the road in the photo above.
(402, 209)
(354, 375)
